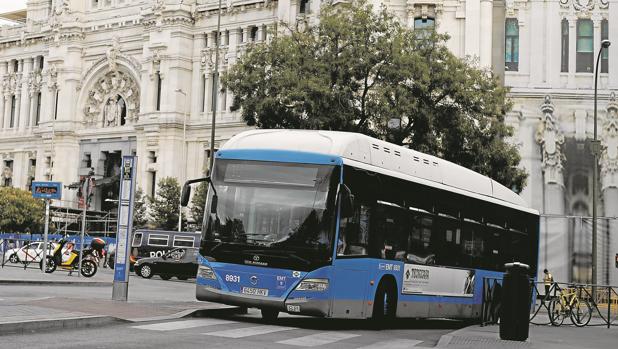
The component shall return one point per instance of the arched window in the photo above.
(123, 110)
(511, 45)
(585, 46)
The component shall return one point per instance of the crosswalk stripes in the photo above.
(313, 340)
(179, 325)
(250, 331)
(393, 344)
(318, 339)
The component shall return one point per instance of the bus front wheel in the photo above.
(385, 303)
(269, 314)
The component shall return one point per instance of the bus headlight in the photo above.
(206, 273)
(318, 285)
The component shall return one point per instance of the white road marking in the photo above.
(393, 344)
(315, 340)
(249, 331)
(179, 325)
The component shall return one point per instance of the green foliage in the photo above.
(164, 206)
(140, 207)
(357, 69)
(19, 212)
(197, 203)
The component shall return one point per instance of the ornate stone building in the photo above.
(86, 81)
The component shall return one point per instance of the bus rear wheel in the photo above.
(269, 314)
(385, 303)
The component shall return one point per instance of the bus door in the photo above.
(351, 270)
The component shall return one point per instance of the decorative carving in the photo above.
(52, 80)
(583, 6)
(113, 53)
(35, 80)
(107, 95)
(551, 139)
(208, 57)
(609, 154)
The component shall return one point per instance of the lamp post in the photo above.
(596, 149)
(184, 152)
(215, 90)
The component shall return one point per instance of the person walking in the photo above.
(548, 279)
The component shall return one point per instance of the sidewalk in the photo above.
(31, 300)
(542, 337)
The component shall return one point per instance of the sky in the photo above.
(11, 5)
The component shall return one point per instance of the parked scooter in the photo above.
(71, 258)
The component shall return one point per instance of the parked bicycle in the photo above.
(569, 304)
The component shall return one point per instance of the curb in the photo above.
(22, 327)
(56, 283)
(191, 313)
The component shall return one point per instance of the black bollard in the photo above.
(515, 309)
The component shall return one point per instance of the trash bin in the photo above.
(515, 309)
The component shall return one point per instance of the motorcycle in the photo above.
(71, 262)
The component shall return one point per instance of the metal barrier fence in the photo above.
(582, 302)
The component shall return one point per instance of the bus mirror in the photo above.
(186, 193)
(347, 202)
(213, 204)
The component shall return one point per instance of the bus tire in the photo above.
(269, 314)
(385, 302)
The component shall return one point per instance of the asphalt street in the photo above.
(225, 330)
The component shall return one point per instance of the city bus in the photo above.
(342, 225)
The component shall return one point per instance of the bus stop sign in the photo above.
(47, 190)
(125, 227)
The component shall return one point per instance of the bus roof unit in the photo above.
(357, 148)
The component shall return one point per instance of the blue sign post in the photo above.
(122, 265)
(47, 191)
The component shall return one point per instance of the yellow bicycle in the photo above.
(567, 303)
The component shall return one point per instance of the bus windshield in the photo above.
(271, 214)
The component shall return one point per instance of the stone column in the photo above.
(25, 94)
(7, 110)
(3, 71)
(596, 43)
(554, 246)
(472, 28)
(609, 191)
(572, 50)
(486, 32)
(612, 23)
(208, 92)
(537, 43)
(553, 49)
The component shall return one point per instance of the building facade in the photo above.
(87, 81)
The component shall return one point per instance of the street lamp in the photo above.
(184, 152)
(215, 90)
(596, 149)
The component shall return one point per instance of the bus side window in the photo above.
(354, 233)
(420, 249)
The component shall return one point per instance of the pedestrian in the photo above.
(548, 279)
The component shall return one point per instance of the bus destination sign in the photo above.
(47, 190)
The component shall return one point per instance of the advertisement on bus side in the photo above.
(436, 281)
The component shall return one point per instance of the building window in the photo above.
(37, 112)
(511, 45)
(153, 183)
(15, 66)
(254, 33)
(564, 62)
(13, 106)
(605, 54)
(424, 23)
(585, 46)
(31, 173)
(158, 101)
(7, 173)
(56, 105)
(304, 6)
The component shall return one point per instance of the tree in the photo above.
(164, 206)
(140, 210)
(198, 203)
(20, 212)
(357, 69)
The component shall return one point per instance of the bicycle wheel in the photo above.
(581, 313)
(557, 312)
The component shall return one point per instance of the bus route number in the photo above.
(232, 278)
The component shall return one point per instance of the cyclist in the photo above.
(548, 279)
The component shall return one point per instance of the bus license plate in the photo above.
(255, 291)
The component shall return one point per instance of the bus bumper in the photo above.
(301, 306)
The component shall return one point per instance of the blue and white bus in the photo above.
(342, 225)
